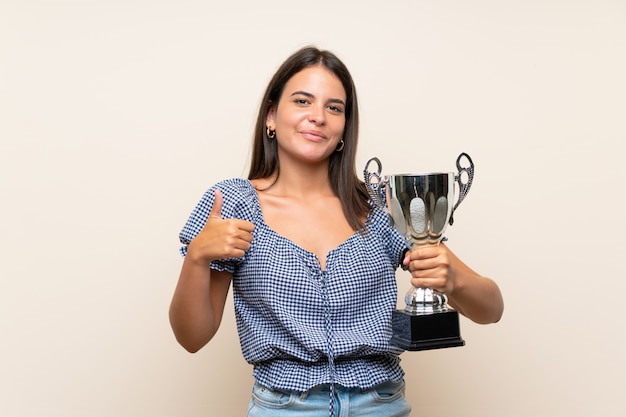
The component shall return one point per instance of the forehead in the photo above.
(317, 80)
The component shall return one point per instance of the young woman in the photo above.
(312, 262)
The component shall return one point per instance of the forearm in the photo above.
(195, 308)
(476, 297)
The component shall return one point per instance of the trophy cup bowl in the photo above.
(420, 207)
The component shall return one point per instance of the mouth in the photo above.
(313, 135)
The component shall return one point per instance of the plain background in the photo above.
(115, 117)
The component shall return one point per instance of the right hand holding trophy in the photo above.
(420, 206)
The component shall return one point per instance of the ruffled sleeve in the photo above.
(393, 241)
(239, 202)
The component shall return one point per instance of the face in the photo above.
(309, 118)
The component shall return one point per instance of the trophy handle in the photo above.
(373, 187)
(464, 186)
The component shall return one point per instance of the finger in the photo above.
(426, 264)
(424, 252)
(245, 226)
(236, 229)
(216, 210)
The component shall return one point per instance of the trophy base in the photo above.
(426, 331)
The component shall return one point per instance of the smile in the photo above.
(313, 135)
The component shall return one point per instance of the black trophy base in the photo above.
(426, 331)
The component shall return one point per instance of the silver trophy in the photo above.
(420, 207)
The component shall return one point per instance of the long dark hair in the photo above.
(342, 174)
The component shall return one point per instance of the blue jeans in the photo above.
(384, 400)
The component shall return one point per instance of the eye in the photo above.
(335, 108)
(301, 101)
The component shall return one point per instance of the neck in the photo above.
(300, 180)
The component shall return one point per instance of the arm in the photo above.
(198, 303)
(476, 297)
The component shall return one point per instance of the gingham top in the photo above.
(299, 325)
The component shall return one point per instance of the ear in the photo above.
(270, 120)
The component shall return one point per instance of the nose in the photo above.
(317, 115)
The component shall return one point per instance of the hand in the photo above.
(221, 238)
(430, 267)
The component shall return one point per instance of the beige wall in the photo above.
(115, 116)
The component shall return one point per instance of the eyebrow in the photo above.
(307, 94)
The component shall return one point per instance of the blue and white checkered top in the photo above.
(299, 325)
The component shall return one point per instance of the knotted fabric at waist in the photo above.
(358, 372)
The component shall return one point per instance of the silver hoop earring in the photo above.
(340, 146)
(271, 134)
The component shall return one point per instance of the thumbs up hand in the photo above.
(220, 238)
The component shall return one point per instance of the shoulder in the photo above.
(239, 196)
(234, 187)
(378, 221)
(237, 193)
